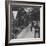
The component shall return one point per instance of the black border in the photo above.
(6, 9)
